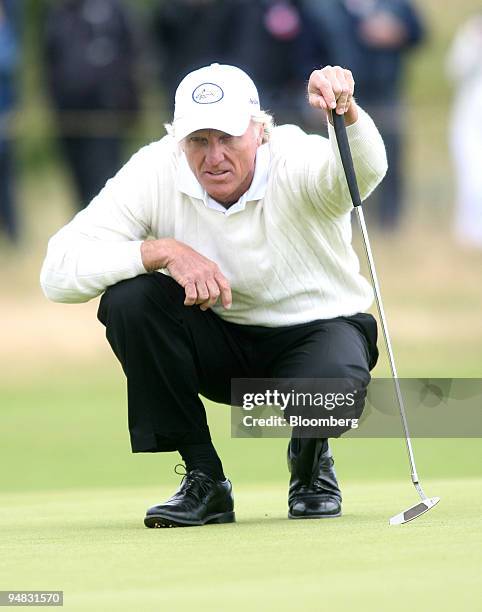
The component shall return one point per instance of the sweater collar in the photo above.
(187, 183)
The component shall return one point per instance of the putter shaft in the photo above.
(388, 344)
(347, 162)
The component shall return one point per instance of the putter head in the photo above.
(414, 511)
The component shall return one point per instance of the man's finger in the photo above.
(317, 101)
(342, 102)
(320, 85)
(350, 80)
(191, 293)
(347, 83)
(351, 85)
(225, 288)
(202, 292)
(214, 293)
(328, 92)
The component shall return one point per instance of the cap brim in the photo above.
(234, 124)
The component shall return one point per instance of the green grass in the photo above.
(73, 500)
(92, 544)
(71, 431)
(72, 497)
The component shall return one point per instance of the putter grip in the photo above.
(346, 158)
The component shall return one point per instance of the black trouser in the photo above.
(170, 353)
(386, 202)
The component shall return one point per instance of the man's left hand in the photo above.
(332, 89)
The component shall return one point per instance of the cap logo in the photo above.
(207, 93)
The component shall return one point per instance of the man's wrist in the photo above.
(351, 115)
(155, 254)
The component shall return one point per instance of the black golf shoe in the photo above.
(198, 501)
(314, 491)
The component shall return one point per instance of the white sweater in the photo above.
(287, 255)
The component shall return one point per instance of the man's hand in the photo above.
(332, 88)
(202, 280)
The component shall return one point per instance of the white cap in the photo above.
(218, 97)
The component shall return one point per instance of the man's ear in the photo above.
(260, 134)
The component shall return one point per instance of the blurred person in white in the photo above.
(464, 68)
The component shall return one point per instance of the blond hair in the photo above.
(262, 117)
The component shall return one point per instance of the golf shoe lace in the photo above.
(194, 482)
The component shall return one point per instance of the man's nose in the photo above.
(214, 154)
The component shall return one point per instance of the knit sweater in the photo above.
(287, 255)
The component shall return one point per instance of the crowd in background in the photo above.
(92, 49)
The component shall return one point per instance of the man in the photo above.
(90, 63)
(375, 38)
(9, 59)
(189, 34)
(251, 226)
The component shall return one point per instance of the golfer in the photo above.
(223, 250)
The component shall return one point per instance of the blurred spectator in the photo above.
(464, 66)
(266, 38)
(371, 37)
(8, 63)
(90, 61)
(190, 34)
(273, 43)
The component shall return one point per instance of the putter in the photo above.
(342, 139)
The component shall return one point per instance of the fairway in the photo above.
(92, 544)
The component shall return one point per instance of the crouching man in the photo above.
(223, 250)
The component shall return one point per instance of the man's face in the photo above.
(223, 164)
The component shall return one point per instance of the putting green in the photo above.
(92, 544)
(73, 500)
